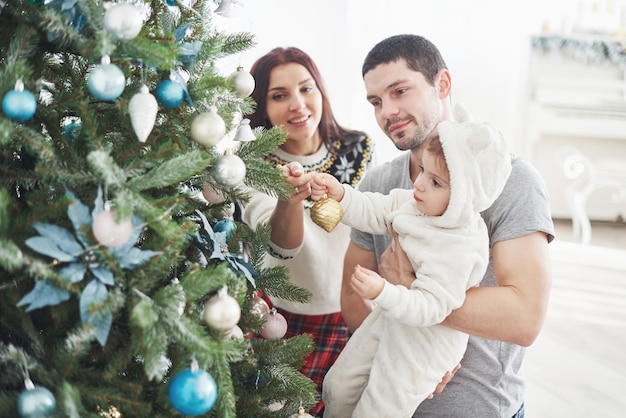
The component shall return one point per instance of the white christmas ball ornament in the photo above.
(275, 325)
(222, 312)
(143, 109)
(243, 82)
(106, 81)
(110, 232)
(124, 20)
(235, 333)
(229, 170)
(207, 128)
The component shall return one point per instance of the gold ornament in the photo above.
(112, 412)
(258, 306)
(301, 414)
(326, 213)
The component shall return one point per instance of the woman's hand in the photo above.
(287, 219)
(294, 174)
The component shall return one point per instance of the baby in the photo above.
(398, 355)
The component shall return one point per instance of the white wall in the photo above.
(484, 42)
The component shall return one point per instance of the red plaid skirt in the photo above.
(330, 335)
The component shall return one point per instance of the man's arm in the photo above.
(353, 307)
(514, 310)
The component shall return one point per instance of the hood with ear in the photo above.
(479, 162)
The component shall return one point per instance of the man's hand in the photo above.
(444, 381)
(395, 265)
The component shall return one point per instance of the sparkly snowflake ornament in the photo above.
(213, 245)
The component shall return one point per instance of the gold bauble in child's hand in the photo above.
(326, 213)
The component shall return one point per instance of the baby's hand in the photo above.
(318, 187)
(367, 283)
(324, 185)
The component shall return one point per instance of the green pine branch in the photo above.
(79, 143)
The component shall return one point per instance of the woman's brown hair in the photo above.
(329, 129)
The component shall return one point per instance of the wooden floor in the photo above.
(577, 366)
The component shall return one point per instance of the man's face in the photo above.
(406, 106)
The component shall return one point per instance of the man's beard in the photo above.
(407, 141)
(425, 127)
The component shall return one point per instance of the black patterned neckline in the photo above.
(348, 168)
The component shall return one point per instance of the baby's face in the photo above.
(431, 189)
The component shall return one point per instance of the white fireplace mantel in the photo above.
(577, 106)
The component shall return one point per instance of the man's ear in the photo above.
(444, 83)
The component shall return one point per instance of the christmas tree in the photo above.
(129, 288)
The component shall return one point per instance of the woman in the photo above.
(290, 92)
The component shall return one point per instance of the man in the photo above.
(409, 86)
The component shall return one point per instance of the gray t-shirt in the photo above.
(489, 383)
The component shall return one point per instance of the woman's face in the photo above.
(295, 102)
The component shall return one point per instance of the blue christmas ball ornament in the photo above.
(19, 105)
(71, 130)
(192, 393)
(106, 81)
(36, 402)
(170, 93)
(225, 225)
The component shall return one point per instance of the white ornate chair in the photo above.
(582, 180)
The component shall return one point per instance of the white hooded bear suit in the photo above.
(398, 355)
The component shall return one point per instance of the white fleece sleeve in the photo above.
(446, 265)
(370, 211)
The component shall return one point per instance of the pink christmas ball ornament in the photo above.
(211, 195)
(275, 325)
